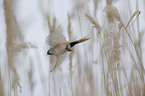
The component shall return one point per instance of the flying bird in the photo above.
(61, 47)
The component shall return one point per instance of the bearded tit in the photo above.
(60, 47)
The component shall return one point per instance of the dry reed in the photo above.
(94, 22)
(14, 34)
(114, 45)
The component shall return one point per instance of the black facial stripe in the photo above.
(50, 51)
(50, 54)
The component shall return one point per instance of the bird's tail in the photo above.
(79, 41)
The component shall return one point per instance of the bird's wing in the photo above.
(55, 37)
(59, 61)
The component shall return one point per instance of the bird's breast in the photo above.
(60, 49)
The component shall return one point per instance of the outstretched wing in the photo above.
(55, 37)
(59, 61)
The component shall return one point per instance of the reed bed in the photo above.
(109, 64)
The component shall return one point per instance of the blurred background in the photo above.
(109, 64)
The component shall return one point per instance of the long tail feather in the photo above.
(83, 39)
(79, 41)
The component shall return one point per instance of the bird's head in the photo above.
(50, 52)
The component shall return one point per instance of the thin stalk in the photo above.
(77, 1)
(133, 46)
(136, 66)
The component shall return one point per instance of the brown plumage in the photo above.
(61, 48)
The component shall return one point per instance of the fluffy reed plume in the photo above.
(114, 61)
(115, 50)
(110, 51)
(14, 35)
(94, 22)
(112, 13)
